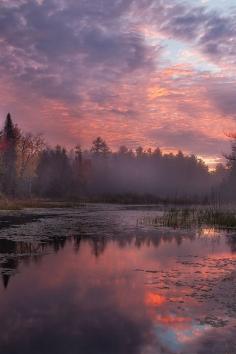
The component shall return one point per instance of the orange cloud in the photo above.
(153, 299)
(154, 92)
(161, 109)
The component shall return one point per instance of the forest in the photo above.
(29, 168)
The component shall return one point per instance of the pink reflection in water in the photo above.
(128, 299)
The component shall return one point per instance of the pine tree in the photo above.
(100, 148)
(9, 157)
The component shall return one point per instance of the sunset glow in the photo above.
(150, 73)
(153, 299)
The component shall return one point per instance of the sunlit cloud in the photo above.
(152, 73)
(155, 300)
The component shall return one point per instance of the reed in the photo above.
(19, 204)
(194, 217)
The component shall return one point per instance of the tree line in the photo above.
(30, 168)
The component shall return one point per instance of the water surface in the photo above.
(94, 280)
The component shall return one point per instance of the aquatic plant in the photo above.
(194, 217)
(19, 204)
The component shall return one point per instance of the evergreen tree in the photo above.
(9, 142)
(100, 148)
(54, 175)
(229, 185)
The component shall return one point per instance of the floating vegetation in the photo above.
(193, 218)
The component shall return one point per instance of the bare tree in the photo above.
(29, 148)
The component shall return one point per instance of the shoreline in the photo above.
(35, 203)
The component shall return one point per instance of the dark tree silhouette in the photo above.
(54, 175)
(100, 147)
(28, 168)
(9, 143)
(78, 179)
(228, 187)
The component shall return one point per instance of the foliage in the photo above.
(100, 148)
(8, 147)
(54, 175)
(19, 157)
(30, 168)
(228, 186)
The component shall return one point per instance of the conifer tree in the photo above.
(9, 157)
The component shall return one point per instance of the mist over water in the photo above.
(102, 173)
(32, 169)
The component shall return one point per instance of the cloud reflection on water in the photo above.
(144, 292)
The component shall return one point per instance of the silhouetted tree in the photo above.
(139, 152)
(231, 158)
(9, 144)
(123, 150)
(100, 148)
(78, 179)
(29, 148)
(101, 172)
(228, 187)
(54, 175)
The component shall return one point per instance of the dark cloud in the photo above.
(223, 96)
(219, 38)
(188, 140)
(213, 33)
(184, 23)
(93, 54)
(57, 47)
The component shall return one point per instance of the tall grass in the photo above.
(194, 217)
(19, 204)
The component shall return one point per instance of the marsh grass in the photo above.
(193, 218)
(18, 204)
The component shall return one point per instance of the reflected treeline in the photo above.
(99, 243)
(231, 240)
(14, 253)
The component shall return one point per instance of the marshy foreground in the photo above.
(117, 279)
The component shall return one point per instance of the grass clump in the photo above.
(194, 217)
(19, 204)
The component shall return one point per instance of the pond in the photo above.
(95, 280)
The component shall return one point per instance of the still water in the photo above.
(96, 281)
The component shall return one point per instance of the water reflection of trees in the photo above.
(99, 243)
(14, 253)
(231, 240)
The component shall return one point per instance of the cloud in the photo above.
(56, 49)
(77, 69)
(213, 33)
(189, 140)
(223, 95)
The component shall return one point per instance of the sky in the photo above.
(136, 72)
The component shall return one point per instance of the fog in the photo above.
(101, 172)
(30, 168)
